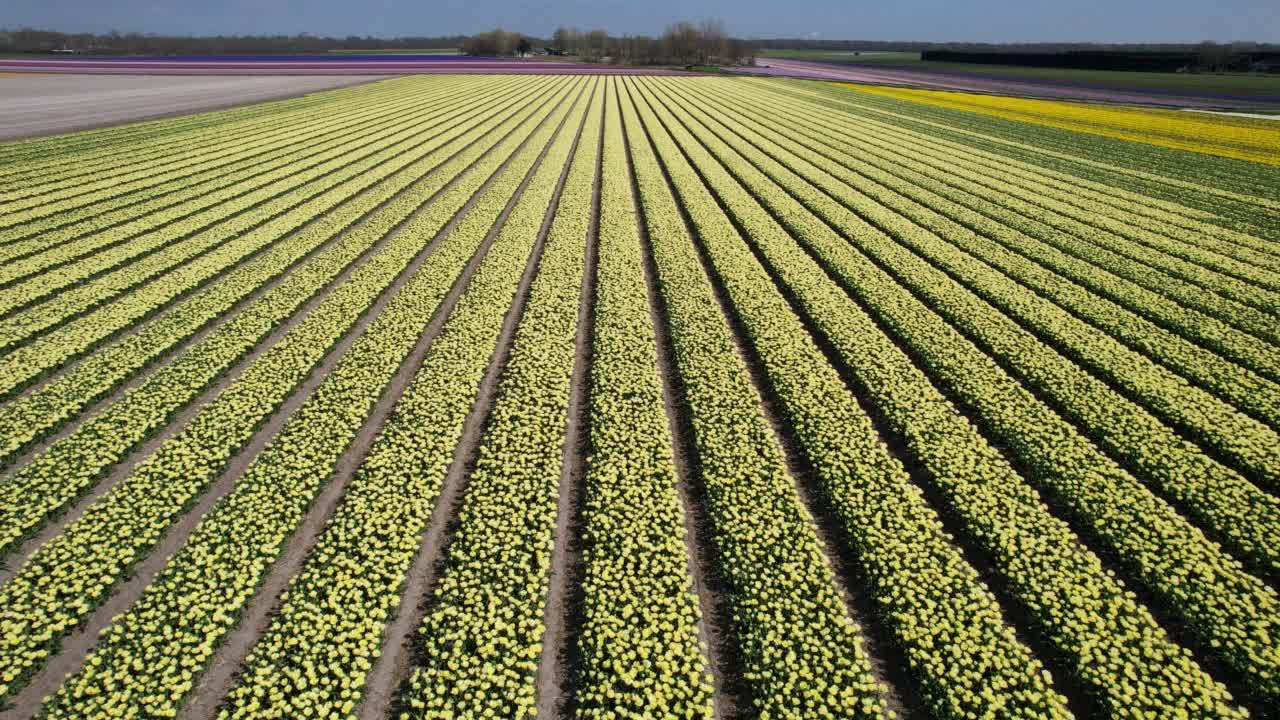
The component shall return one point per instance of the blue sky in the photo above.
(935, 20)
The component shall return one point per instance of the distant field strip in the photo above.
(602, 396)
(1229, 136)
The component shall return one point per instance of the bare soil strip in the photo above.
(563, 613)
(38, 105)
(724, 655)
(394, 664)
(76, 646)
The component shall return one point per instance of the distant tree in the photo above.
(1213, 57)
(595, 45)
(496, 42)
(711, 41)
(523, 47)
(681, 40)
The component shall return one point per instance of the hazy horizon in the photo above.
(1102, 21)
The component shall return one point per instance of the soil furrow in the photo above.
(888, 662)
(395, 661)
(563, 613)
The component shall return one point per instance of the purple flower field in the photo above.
(311, 65)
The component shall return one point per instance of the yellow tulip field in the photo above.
(637, 396)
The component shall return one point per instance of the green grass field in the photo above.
(1242, 84)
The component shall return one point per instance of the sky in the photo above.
(925, 20)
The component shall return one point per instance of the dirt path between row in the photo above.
(394, 665)
(887, 662)
(563, 612)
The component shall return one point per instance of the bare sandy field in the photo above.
(33, 105)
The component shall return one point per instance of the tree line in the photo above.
(27, 40)
(683, 43)
(1207, 57)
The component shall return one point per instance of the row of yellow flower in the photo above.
(31, 417)
(61, 584)
(193, 248)
(89, 175)
(1230, 610)
(1187, 185)
(185, 178)
(71, 245)
(641, 654)
(44, 485)
(1051, 163)
(1233, 264)
(1116, 343)
(64, 156)
(199, 596)
(1218, 497)
(947, 623)
(64, 330)
(330, 626)
(1155, 259)
(1257, 140)
(1063, 586)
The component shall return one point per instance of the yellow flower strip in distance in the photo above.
(1230, 136)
